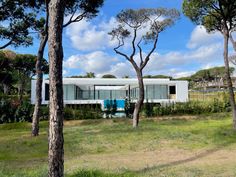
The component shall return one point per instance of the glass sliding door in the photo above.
(69, 92)
(156, 92)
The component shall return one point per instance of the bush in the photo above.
(83, 112)
(148, 109)
(129, 108)
(24, 112)
(191, 107)
(11, 110)
(44, 113)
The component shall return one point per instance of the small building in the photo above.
(99, 90)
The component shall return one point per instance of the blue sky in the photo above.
(182, 49)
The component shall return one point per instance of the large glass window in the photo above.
(69, 92)
(156, 92)
(152, 92)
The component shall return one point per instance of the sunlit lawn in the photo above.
(178, 146)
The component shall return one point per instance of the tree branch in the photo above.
(140, 52)
(133, 44)
(232, 41)
(120, 45)
(77, 19)
(147, 58)
(7, 44)
(47, 17)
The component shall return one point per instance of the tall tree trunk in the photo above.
(56, 140)
(228, 78)
(232, 41)
(139, 103)
(39, 80)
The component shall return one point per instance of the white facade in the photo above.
(96, 90)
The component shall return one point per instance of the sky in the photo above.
(182, 49)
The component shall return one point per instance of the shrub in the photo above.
(191, 107)
(11, 110)
(129, 108)
(24, 112)
(44, 113)
(148, 109)
(83, 112)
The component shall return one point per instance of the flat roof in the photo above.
(116, 81)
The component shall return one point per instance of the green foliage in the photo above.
(12, 111)
(108, 76)
(17, 71)
(90, 8)
(82, 112)
(84, 140)
(215, 15)
(129, 108)
(211, 73)
(138, 19)
(98, 173)
(215, 74)
(88, 75)
(18, 20)
(24, 112)
(44, 114)
(148, 109)
(191, 108)
(157, 76)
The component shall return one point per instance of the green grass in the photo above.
(112, 148)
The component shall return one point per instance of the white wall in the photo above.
(181, 91)
(33, 93)
(181, 87)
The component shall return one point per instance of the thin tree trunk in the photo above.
(232, 41)
(39, 80)
(20, 92)
(139, 103)
(5, 88)
(228, 78)
(56, 140)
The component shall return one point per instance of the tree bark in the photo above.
(56, 140)
(139, 103)
(232, 41)
(228, 77)
(39, 80)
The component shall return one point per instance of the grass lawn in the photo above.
(184, 146)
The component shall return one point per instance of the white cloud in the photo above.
(203, 55)
(200, 37)
(96, 62)
(183, 74)
(88, 37)
(64, 72)
(120, 69)
(204, 50)
(174, 63)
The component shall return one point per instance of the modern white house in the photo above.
(100, 90)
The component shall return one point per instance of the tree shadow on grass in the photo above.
(179, 162)
(223, 138)
(128, 173)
